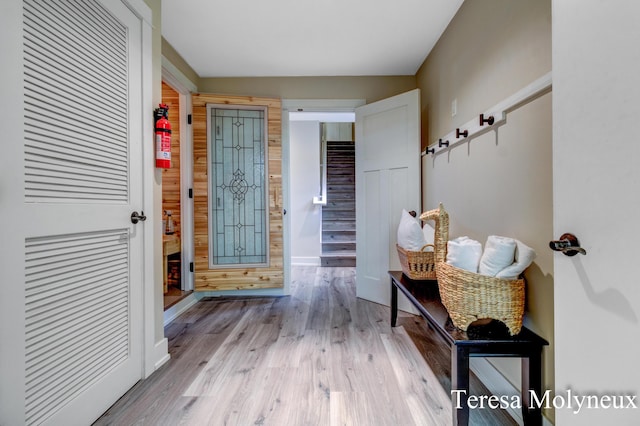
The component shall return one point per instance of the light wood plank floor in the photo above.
(317, 357)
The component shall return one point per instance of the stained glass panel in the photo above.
(238, 231)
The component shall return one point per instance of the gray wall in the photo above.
(501, 182)
(306, 217)
(371, 88)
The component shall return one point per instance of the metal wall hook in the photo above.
(431, 150)
(441, 144)
(568, 245)
(460, 134)
(489, 120)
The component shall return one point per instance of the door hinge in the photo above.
(190, 192)
(190, 266)
(189, 119)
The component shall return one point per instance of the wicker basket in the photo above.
(468, 296)
(418, 265)
(421, 265)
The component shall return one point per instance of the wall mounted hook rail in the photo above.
(463, 134)
(568, 245)
(489, 120)
(499, 113)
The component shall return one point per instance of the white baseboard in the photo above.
(162, 347)
(177, 309)
(498, 385)
(157, 357)
(305, 261)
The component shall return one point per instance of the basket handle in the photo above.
(441, 219)
(428, 245)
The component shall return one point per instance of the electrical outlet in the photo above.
(454, 107)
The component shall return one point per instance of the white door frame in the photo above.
(156, 346)
(308, 105)
(181, 84)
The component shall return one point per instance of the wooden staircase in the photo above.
(339, 214)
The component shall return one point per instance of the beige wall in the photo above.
(371, 88)
(156, 11)
(501, 182)
(174, 57)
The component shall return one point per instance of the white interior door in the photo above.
(387, 181)
(72, 259)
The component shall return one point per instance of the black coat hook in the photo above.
(462, 134)
(489, 120)
(430, 150)
(441, 144)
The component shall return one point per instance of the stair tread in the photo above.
(339, 243)
(338, 221)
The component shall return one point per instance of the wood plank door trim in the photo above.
(242, 278)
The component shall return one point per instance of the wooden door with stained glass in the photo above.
(237, 192)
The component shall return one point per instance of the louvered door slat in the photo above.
(64, 99)
(76, 258)
(74, 189)
(80, 318)
(67, 135)
(43, 304)
(42, 324)
(66, 352)
(106, 30)
(55, 167)
(75, 159)
(41, 65)
(41, 107)
(52, 116)
(85, 43)
(73, 243)
(63, 178)
(67, 48)
(54, 394)
(80, 303)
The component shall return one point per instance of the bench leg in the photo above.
(394, 304)
(531, 381)
(460, 382)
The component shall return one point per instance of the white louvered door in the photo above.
(80, 171)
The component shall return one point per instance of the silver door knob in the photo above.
(135, 217)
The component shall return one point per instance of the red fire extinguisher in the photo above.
(163, 137)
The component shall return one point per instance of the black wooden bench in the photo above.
(475, 342)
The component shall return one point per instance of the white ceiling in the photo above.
(276, 38)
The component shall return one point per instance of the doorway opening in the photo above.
(174, 285)
(322, 186)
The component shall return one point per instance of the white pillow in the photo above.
(409, 233)
(464, 253)
(428, 233)
(499, 252)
